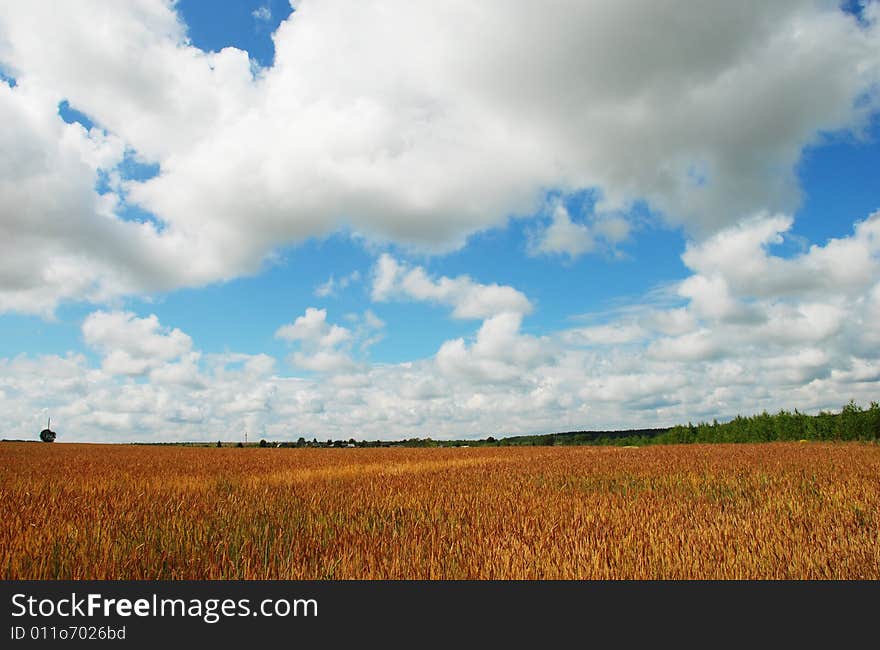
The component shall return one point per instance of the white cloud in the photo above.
(613, 229)
(370, 329)
(701, 345)
(323, 361)
(564, 236)
(312, 327)
(184, 373)
(372, 321)
(616, 334)
(319, 342)
(745, 301)
(385, 277)
(740, 256)
(499, 354)
(332, 286)
(132, 345)
(454, 118)
(815, 347)
(262, 13)
(469, 299)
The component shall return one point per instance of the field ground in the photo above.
(775, 510)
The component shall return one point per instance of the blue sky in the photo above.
(245, 25)
(368, 225)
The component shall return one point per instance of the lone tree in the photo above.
(47, 435)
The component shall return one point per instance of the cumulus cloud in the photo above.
(455, 118)
(369, 328)
(744, 301)
(563, 236)
(323, 346)
(740, 257)
(132, 345)
(333, 285)
(500, 353)
(469, 299)
(312, 327)
(814, 347)
(262, 13)
(60, 239)
(614, 334)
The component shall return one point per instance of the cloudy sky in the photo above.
(391, 218)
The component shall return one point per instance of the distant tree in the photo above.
(851, 423)
(218, 444)
(872, 417)
(490, 440)
(47, 435)
(301, 442)
(263, 443)
(240, 445)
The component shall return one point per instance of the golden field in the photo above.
(775, 510)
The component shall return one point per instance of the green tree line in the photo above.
(852, 423)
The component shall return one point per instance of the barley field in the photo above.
(774, 511)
